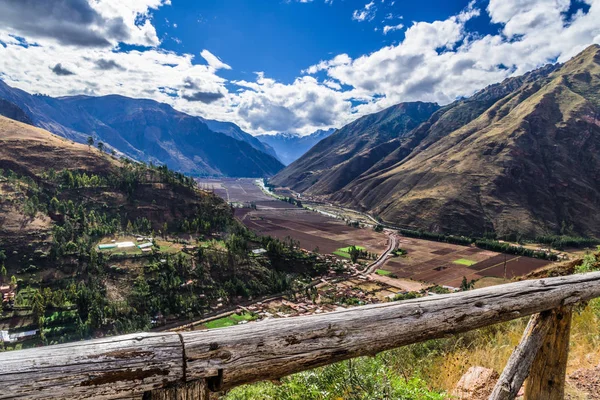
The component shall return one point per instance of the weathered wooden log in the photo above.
(547, 378)
(520, 361)
(195, 390)
(272, 349)
(98, 369)
(134, 364)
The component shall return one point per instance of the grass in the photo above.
(232, 320)
(219, 244)
(490, 281)
(345, 251)
(464, 261)
(383, 272)
(341, 254)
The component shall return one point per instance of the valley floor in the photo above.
(327, 228)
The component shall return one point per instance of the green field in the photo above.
(229, 321)
(383, 272)
(345, 251)
(464, 261)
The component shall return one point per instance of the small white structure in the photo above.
(125, 245)
(145, 245)
(15, 337)
(4, 337)
(259, 251)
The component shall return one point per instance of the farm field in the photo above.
(427, 261)
(280, 219)
(447, 264)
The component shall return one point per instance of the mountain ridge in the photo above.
(289, 146)
(147, 131)
(504, 160)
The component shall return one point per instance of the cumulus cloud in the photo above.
(441, 61)
(106, 65)
(204, 97)
(436, 61)
(80, 22)
(58, 69)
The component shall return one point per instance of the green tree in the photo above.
(466, 285)
(90, 141)
(3, 272)
(100, 146)
(354, 254)
(54, 205)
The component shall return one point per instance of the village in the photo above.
(344, 286)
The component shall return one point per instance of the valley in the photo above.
(327, 229)
(300, 200)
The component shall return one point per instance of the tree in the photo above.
(90, 141)
(100, 146)
(3, 272)
(466, 285)
(354, 254)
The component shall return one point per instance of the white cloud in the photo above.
(213, 61)
(367, 13)
(436, 61)
(391, 28)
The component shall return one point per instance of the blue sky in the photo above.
(285, 65)
(283, 38)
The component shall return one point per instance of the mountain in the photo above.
(232, 130)
(336, 160)
(116, 246)
(521, 156)
(9, 110)
(145, 130)
(289, 147)
(33, 168)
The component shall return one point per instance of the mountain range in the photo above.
(146, 130)
(289, 146)
(521, 156)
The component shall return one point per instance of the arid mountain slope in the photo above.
(337, 160)
(147, 131)
(518, 157)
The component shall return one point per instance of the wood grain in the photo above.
(130, 365)
(519, 364)
(99, 369)
(548, 374)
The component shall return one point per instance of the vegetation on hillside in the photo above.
(68, 289)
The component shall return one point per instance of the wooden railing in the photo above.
(188, 365)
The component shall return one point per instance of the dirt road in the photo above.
(393, 242)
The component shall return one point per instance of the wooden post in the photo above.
(548, 373)
(518, 366)
(196, 390)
